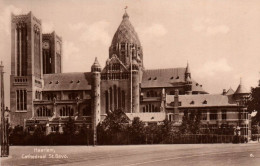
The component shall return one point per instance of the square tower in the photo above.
(51, 53)
(26, 66)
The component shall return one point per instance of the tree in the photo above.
(17, 135)
(166, 131)
(137, 131)
(153, 133)
(184, 128)
(38, 136)
(191, 123)
(196, 123)
(254, 105)
(69, 130)
(85, 134)
(113, 128)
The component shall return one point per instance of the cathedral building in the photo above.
(42, 95)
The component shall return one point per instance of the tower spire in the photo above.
(187, 72)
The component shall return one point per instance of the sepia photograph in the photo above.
(130, 82)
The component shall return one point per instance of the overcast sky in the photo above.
(220, 39)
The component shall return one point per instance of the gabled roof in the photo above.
(203, 100)
(67, 81)
(230, 92)
(114, 60)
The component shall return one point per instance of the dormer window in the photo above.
(205, 102)
(50, 82)
(149, 78)
(71, 81)
(155, 78)
(172, 78)
(78, 81)
(57, 82)
(192, 102)
(177, 77)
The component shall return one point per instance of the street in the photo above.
(136, 155)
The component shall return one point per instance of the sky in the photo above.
(220, 39)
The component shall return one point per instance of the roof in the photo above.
(241, 89)
(148, 117)
(163, 77)
(203, 100)
(96, 64)
(125, 33)
(67, 81)
(167, 78)
(230, 92)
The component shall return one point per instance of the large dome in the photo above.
(125, 33)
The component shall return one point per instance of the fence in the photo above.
(205, 138)
(123, 139)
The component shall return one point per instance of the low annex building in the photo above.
(44, 96)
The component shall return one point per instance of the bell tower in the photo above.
(26, 65)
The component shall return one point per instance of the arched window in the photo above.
(43, 112)
(66, 111)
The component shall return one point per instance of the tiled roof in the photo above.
(148, 117)
(197, 87)
(125, 33)
(67, 81)
(203, 100)
(163, 77)
(167, 78)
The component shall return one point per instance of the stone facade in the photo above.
(42, 95)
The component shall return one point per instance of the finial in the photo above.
(240, 80)
(125, 15)
(188, 67)
(1, 63)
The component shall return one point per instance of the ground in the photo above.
(138, 155)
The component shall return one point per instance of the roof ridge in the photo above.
(166, 68)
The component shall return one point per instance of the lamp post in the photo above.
(131, 75)
(4, 120)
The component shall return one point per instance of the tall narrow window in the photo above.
(24, 51)
(123, 99)
(107, 104)
(21, 100)
(18, 32)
